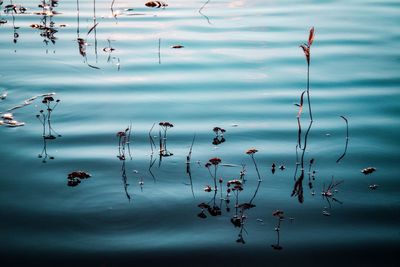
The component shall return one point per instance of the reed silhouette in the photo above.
(47, 25)
(48, 132)
(83, 42)
(14, 9)
(302, 143)
(278, 214)
(239, 218)
(123, 147)
(152, 147)
(188, 164)
(347, 139)
(162, 135)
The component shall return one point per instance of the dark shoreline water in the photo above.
(243, 71)
(353, 255)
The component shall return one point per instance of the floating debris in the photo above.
(368, 170)
(79, 174)
(75, 177)
(282, 167)
(373, 186)
(3, 96)
(63, 25)
(12, 123)
(177, 46)
(108, 49)
(3, 21)
(30, 100)
(156, 4)
(8, 120)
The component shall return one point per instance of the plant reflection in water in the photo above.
(123, 146)
(48, 133)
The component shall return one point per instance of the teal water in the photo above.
(241, 69)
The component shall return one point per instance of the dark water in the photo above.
(241, 69)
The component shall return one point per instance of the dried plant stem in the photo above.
(255, 165)
(308, 91)
(201, 13)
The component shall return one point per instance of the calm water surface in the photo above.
(241, 69)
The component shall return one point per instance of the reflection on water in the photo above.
(124, 139)
(199, 64)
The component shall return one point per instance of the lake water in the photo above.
(241, 69)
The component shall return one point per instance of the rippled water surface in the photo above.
(241, 69)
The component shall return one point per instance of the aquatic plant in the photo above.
(251, 152)
(298, 186)
(307, 52)
(213, 162)
(124, 138)
(164, 126)
(45, 116)
(278, 214)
